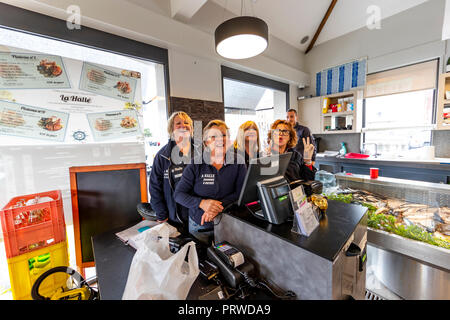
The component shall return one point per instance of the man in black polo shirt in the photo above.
(302, 132)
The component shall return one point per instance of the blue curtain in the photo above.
(341, 78)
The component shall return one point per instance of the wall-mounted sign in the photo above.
(341, 78)
(114, 124)
(107, 82)
(32, 71)
(32, 122)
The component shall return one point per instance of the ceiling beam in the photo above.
(322, 24)
(184, 10)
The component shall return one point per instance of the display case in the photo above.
(408, 232)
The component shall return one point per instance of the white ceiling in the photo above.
(289, 20)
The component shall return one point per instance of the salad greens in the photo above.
(388, 223)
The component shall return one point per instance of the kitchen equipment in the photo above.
(402, 264)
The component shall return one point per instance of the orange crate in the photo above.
(32, 227)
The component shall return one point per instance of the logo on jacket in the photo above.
(208, 178)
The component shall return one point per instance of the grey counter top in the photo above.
(437, 163)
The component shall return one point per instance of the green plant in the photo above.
(347, 198)
(387, 223)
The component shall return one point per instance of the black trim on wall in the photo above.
(246, 77)
(18, 19)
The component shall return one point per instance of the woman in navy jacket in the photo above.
(168, 167)
(207, 188)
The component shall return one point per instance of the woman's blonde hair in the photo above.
(214, 123)
(292, 133)
(183, 115)
(239, 143)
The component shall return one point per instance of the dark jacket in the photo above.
(297, 170)
(203, 181)
(164, 177)
(304, 132)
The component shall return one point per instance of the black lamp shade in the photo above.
(241, 37)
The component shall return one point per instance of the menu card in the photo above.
(305, 221)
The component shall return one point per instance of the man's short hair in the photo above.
(292, 110)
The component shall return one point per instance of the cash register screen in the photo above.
(259, 170)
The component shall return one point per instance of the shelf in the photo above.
(345, 113)
(339, 132)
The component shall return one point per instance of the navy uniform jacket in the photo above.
(164, 177)
(297, 170)
(203, 181)
(304, 132)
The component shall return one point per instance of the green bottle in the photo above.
(343, 150)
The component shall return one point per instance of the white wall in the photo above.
(405, 38)
(194, 77)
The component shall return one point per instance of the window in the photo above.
(41, 72)
(399, 104)
(249, 97)
(148, 103)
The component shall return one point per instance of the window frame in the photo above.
(249, 78)
(37, 24)
(434, 108)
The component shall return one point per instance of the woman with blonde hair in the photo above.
(282, 138)
(247, 141)
(167, 169)
(208, 188)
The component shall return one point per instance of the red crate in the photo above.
(32, 227)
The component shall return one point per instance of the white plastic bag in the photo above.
(158, 274)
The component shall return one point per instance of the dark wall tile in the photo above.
(198, 110)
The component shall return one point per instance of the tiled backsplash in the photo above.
(332, 142)
(441, 141)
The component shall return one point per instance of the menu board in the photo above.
(32, 122)
(32, 71)
(67, 100)
(114, 124)
(108, 83)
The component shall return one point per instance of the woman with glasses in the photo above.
(282, 138)
(168, 167)
(208, 188)
(247, 143)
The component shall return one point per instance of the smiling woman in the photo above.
(207, 189)
(282, 138)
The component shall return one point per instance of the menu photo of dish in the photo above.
(108, 82)
(32, 71)
(32, 122)
(114, 124)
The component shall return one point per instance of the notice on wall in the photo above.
(114, 124)
(32, 71)
(109, 83)
(32, 122)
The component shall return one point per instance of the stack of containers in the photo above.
(34, 232)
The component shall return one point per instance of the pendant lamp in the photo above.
(241, 37)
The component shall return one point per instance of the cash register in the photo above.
(265, 191)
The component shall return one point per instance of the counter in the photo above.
(436, 171)
(400, 263)
(312, 267)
